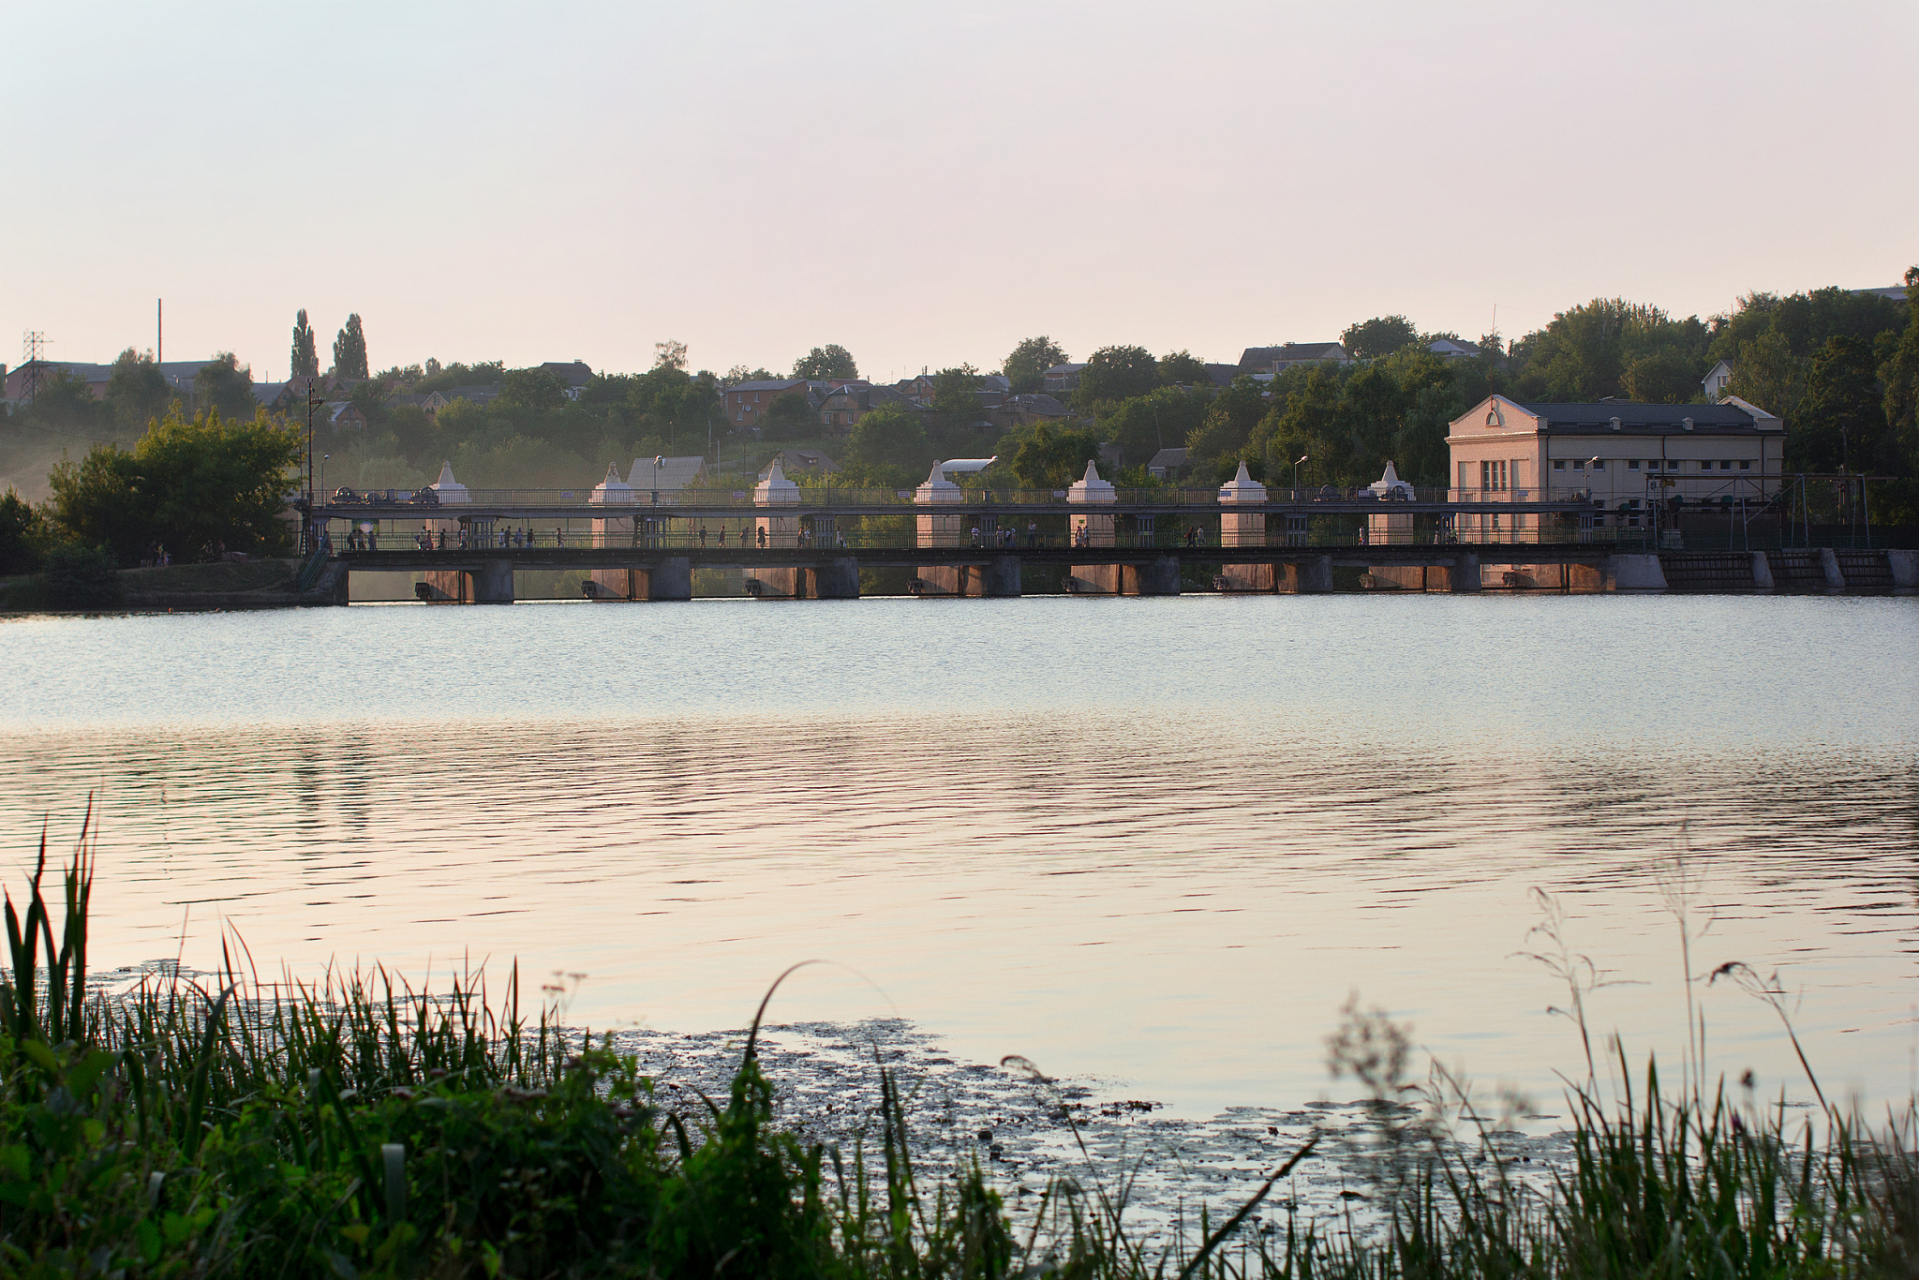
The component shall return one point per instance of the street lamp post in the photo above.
(312, 401)
(1302, 457)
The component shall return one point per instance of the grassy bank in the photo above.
(358, 1128)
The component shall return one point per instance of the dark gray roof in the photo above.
(775, 384)
(1643, 419)
(1222, 375)
(1167, 458)
(1266, 357)
(574, 373)
(1034, 402)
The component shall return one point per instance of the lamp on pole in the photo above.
(313, 401)
(1301, 458)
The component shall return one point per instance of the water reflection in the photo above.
(1162, 848)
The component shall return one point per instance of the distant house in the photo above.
(1453, 349)
(178, 375)
(574, 374)
(843, 406)
(1716, 380)
(1166, 464)
(791, 461)
(1222, 375)
(1112, 458)
(1897, 292)
(663, 475)
(1063, 377)
(343, 415)
(1291, 355)
(1018, 411)
(746, 402)
(478, 394)
(21, 382)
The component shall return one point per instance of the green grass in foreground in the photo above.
(362, 1129)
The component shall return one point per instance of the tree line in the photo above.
(1841, 368)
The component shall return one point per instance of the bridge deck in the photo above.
(410, 559)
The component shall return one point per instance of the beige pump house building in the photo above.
(1628, 459)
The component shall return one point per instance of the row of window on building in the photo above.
(1653, 464)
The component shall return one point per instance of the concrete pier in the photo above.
(668, 579)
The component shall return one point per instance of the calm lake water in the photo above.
(1155, 841)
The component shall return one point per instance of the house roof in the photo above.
(1724, 418)
(764, 384)
(1166, 459)
(1452, 347)
(1222, 375)
(1062, 369)
(1035, 402)
(479, 393)
(1291, 352)
(799, 460)
(574, 373)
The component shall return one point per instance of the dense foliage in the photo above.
(1841, 368)
(196, 486)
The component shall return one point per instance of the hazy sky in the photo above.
(927, 184)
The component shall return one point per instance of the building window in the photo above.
(1745, 464)
(1599, 464)
(1632, 464)
(1579, 464)
(1559, 464)
(1726, 465)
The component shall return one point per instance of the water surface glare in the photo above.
(1158, 841)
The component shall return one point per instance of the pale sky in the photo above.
(928, 184)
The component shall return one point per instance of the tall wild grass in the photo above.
(356, 1127)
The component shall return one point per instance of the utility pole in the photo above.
(159, 330)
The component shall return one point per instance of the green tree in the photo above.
(1382, 336)
(1117, 373)
(670, 354)
(21, 534)
(1667, 375)
(305, 361)
(1183, 368)
(535, 388)
(1230, 418)
(349, 350)
(1026, 367)
(79, 577)
(1767, 374)
(889, 447)
(442, 378)
(956, 393)
(1311, 423)
(371, 398)
(1047, 459)
(64, 400)
(193, 485)
(1161, 419)
(790, 416)
(1584, 353)
(829, 361)
(1842, 420)
(1900, 374)
(137, 393)
(225, 387)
